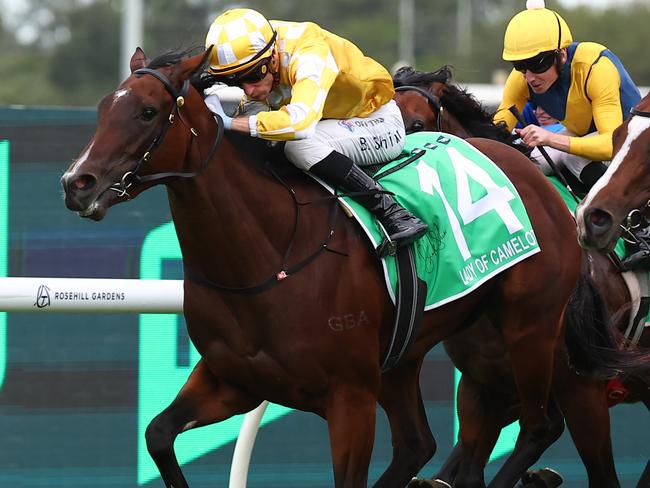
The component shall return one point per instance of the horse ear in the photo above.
(138, 60)
(193, 64)
(437, 88)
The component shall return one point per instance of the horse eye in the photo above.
(148, 113)
(418, 126)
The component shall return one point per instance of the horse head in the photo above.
(143, 132)
(417, 95)
(620, 199)
(429, 101)
(420, 108)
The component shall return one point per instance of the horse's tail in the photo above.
(595, 346)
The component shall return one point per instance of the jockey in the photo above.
(581, 84)
(331, 104)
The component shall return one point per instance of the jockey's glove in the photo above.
(214, 104)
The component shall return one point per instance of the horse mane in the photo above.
(464, 106)
(409, 76)
(200, 80)
(171, 57)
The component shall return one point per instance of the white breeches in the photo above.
(377, 138)
(369, 140)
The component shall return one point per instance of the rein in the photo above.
(131, 177)
(284, 270)
(434, 102)
(636, 219)
(640, 113)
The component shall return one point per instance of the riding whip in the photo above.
(514, 111)
(613, 257)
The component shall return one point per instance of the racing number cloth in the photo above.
(478, 224)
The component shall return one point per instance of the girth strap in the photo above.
(410, 299)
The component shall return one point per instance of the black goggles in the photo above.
(252, 75)
(539, 64)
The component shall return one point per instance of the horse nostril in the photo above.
(81, 183)
(84, 182)
(599, 221)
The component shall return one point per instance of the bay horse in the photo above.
(487, 398)
(620, 198)
(269, 268)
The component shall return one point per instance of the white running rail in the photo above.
(90, 295)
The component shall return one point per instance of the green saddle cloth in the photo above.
(478, 226)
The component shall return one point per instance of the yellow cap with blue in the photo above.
(241, 37)
(533, 31)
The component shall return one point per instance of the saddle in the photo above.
(457, 255)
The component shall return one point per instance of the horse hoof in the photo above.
(440, 484)
(542, 478)
(419, 483)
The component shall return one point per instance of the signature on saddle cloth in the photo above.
(481, 224)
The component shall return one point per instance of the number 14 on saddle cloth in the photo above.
(478, 224)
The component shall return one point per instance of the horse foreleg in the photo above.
(445, 477)
(449, 468)
(531, 335)
(203, 400)
(482, 413)
(583, 402)
(413, 443)
(528, 449)
(350, 413)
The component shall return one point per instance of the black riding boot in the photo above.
(591, 173)
(401, 225)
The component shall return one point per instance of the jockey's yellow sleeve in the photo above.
(322, 76)
(593, 93)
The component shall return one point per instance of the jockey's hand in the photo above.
(214, 104)
(534, 135)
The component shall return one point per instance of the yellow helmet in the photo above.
(241, 37)
(534, 31)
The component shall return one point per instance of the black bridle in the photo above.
(432, 100)
(133, 176)
(640, 113)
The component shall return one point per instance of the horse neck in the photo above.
(611, 285)
(222, 218)
(233, 221)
